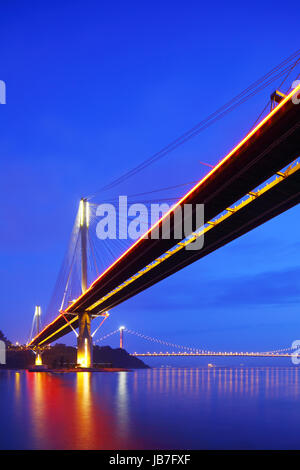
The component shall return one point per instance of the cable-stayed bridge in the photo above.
(256, 181)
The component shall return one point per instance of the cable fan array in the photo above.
(103, 252)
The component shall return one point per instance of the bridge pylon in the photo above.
(37, 320)
(84, 340)
(38, 358)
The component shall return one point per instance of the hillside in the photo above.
(61, 355)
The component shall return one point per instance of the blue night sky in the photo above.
(93, 89)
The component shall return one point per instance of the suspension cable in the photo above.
(197, 350)
(106, 336)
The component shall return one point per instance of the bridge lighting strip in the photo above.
(68, 323)
(195, 235)
(211, 224)
(215, 168)
(60, 329)
(295, 91)
(211, 354)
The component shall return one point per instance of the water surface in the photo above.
(199, 408)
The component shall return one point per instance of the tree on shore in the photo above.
(3, 338)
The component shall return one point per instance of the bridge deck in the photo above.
(213, 354)
(272, 145)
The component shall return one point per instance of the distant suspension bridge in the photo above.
(186, 351)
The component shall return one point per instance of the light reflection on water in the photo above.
(205, 408)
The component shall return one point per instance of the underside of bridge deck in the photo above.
(272, 145)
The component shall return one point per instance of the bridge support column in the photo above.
(85, 341)
(37, 318)
(38, 358)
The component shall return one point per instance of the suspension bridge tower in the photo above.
(84, 339)
(122, 328)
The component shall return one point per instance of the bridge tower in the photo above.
(122, 328)
(84, 340)
(37, 317)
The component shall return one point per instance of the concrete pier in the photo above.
(85, 342)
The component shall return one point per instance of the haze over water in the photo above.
(167, 408)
